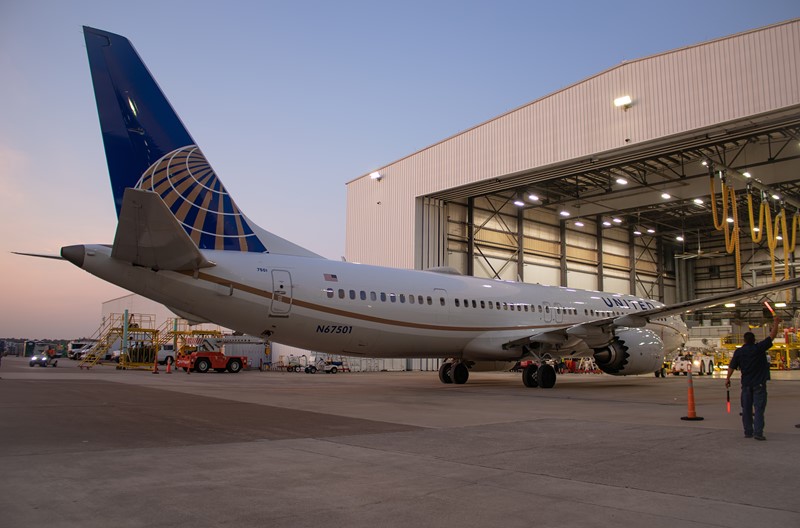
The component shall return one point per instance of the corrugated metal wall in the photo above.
(673, 93)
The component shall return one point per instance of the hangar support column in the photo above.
(599, 234)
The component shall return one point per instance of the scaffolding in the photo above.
(115, 329)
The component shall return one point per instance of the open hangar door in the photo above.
(640, 220)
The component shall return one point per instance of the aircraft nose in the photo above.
(74, 254)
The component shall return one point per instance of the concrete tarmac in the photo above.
(105, 447)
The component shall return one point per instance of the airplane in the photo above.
(182, 241)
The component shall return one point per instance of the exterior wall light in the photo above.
(624, 102)
(376, 176)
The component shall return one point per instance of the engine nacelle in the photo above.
(633, 351)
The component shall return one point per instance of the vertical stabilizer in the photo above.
(148, 147)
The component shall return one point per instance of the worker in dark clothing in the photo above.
(751, 359)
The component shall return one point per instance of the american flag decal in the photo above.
(331, 278)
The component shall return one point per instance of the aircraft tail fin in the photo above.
(147, 147)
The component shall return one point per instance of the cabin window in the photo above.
(539, 307)
(458, 303)
(546, 309)
(383, 297)
(491, 305)
(466, 303)
(483, 305)
(474, 303)
(392, 297)
(420, 300)
(341, 293)
(329, 293)
(441, 301)
(430, 301)
(402, 298)
(505, 306)
(373, 296)
(410, 299)
(363, 295)
(352, 294)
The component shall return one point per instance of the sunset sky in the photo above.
(289, 101)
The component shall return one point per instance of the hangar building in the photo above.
(613, 183)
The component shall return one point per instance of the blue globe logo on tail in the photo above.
(190, 188)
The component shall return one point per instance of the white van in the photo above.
(166, 354)
(77, 349)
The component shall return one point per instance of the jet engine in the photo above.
(633, 351)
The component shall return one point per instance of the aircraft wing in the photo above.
(149, 235)
(599, 331)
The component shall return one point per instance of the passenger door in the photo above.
(281, 294)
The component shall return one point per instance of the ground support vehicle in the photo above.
(332, 367)
(699, 364)
(204, 361)
(43, 360)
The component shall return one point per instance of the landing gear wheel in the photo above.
(459, 373)
(710, 369)
(529, 378)
(444, 372)
(546, 376)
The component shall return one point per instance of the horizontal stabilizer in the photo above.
(38, 255)
(149, 235)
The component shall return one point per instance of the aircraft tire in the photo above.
(546, 376)
(459, 373)
(529, 378)
(444, 372)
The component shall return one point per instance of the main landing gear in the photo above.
(543, 376)
(533, 375)
(453, 372)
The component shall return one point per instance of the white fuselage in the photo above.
(361, 310)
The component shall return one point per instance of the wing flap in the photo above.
(149, 235)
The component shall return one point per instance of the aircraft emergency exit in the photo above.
(182, 241)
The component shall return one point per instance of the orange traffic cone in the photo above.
(155, 366)
(691, 414)
(169, 366)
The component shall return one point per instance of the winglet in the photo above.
(149, 235)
